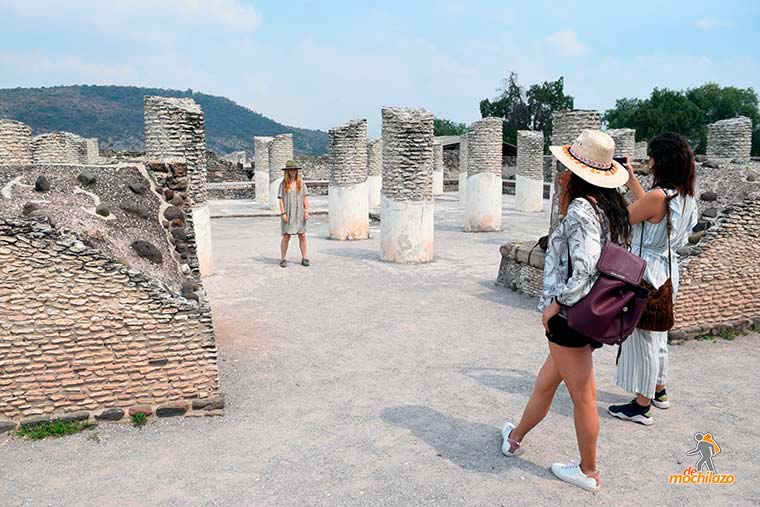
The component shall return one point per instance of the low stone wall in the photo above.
(232, 190)
(102, 309)
(59, 148)
(314, 167)
(522, 268)
(15, 142)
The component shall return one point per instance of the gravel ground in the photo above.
(357, 382)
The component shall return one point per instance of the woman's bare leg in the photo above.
(302, 244)
(284, 246)
(540, 400)
(576, 367)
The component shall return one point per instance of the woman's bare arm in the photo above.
(633, 182)
(651, 206)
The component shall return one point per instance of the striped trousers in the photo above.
(643, 362)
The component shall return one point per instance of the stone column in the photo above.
(59, 148)
(437, 168)
(529, 178)
(261, 168)
(641, 151)
(625, 142)
(348, 199)
(374, 171)
(15, 143)
(406, 223)
(483, 202)
(730, 139)
(566, 126)
(463, 149)
(280, 151)
(175, 132)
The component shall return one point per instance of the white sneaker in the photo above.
(509, 447)
(572, 474)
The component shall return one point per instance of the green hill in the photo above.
(114, 114)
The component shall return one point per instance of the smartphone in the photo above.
(620, 160)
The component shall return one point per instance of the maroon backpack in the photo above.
(610, 311)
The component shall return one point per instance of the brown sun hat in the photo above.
(291, 164)
(590, 157)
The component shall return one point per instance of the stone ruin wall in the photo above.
(314, 167)
(730, 139)
(280, 151)
(463, 153)
(522, 268)
(102, 312)
(641, 151)
(174, 132)
(719, 281)
(484, 142)
(438, 165)
(348, 153)
(236, 157)
(261, 153)
(375, 157)
(15, 142)
(530, 154)
(407, 154)
(59, 148)
(625, 142)
(92, 148)
(451, 163)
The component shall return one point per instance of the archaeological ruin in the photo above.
(348, 192)
(175, 132)
(483, 204)
(462, 174)
(437, 168)
(406, 227)
(529, 179)
(59, 148)
(625, 142)
(15, 142)
(261, 168)
(374, 171)
(280, 151)
(641, 151)
(730, 139)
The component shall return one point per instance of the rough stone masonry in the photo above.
(529, 178)
(730, 139)
(280, 151)
(483, 204)
(406, 226)
(59, 148)
(374, 171)
(102, 311)
(175, 132)
(15, 142)
(437, 168)
(348, 199)
(625, 142)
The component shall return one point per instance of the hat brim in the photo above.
(291, 168)
(615, 176)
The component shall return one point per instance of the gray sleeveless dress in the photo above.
(293, 205)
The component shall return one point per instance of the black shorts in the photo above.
(562, 334)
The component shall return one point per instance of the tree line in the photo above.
(687, 112)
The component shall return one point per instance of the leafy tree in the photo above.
(686, 112)
(523, 110)
(448, 128)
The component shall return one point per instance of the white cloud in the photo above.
(124, 15)
(566, 42)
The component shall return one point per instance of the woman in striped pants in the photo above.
(643, 359)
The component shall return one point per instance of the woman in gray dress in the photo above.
(294, 211)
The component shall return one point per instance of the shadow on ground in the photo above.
(472, 446)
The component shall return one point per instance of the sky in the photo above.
(317, 64)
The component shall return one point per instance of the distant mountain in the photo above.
(114, 114)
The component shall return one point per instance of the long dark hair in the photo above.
(609, 200)
(673, 163)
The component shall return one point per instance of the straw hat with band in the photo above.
(291, 164)
(590, 158)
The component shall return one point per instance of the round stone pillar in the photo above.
(15, 143)
(59, 148)
(566, 126)
(483, 202)
(280, 151)
(625, 142)
(462, 187)
(261, 168)
(529, 178)
(406, 220)
(348, 199)
(374, 171)
(437, 168)
(730, 139)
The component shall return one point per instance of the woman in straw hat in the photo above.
(294, 211)
(596, 208)
(643, 362)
